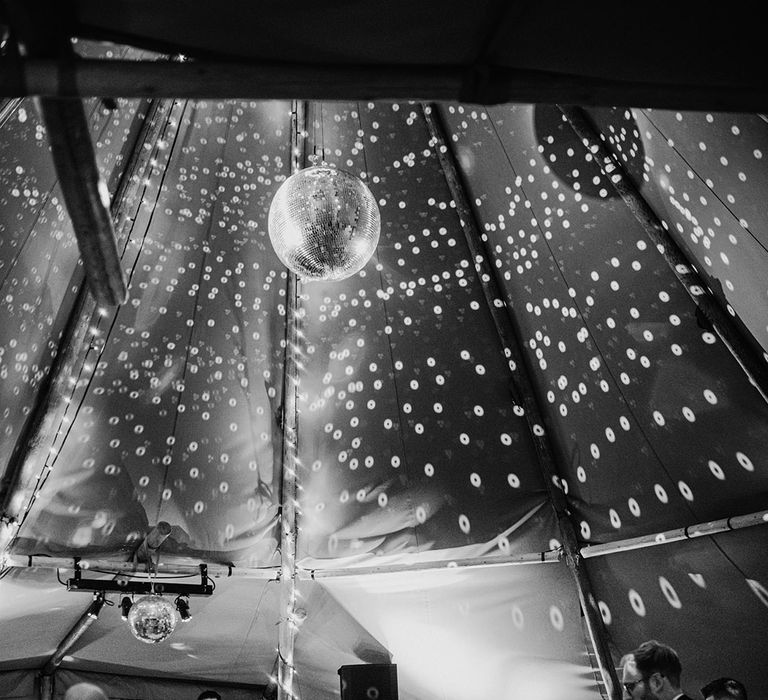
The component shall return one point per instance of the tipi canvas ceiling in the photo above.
(518, 341)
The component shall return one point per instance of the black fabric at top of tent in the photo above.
(652, 45)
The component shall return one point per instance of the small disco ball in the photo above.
(324, 223)
(152, 619)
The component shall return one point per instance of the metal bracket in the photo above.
(122, 584)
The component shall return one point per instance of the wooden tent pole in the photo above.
(705, 529)
(84, 193)
(77, 631)
(40, 29)
(289, 492)
(525, 397)
(744, 349)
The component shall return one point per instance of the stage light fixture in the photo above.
(125, 607)
(182, 605)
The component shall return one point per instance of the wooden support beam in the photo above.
(41, 32)
(548, 557)
(31, 76)
(271, 573)
(712, 527)
(525, 397)
(86, 196)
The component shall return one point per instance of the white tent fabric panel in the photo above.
(454, 633)
(36, 612)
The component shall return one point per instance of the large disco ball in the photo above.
(324, 223)
(152, 619)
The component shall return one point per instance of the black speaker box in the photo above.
(369, 682)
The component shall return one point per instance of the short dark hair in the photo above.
(725, 689)
(653, 656)
(209, 695)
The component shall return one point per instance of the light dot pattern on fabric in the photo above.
(709, 196)
(377, 354)
(180, 389)
(667, 587)
(644, 399)
(410, 439)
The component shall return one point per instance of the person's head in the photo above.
(85, 691)
(631, 680)
(209, 695)
(651, 672)
(724, 689)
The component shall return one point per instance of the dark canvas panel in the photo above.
(656, 423)
(198, 350)
(703, 173)
(690, 593)
(408, 436)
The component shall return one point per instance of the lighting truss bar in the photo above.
(754, 364)
(142, 587)
(119, 584)
(523, 388)
(231, 80)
